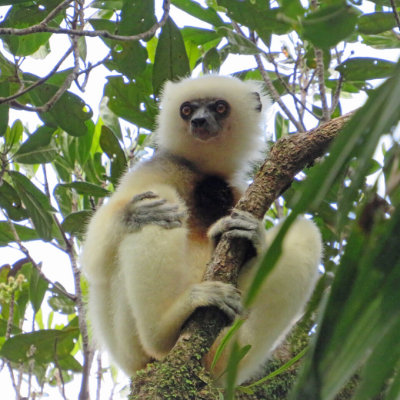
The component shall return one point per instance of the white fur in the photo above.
(144, 285)
(240, 142)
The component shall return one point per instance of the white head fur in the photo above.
(238, 144)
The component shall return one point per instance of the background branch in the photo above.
(42, 27)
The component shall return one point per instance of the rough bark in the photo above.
(181, 374)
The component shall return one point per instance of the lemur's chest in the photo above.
(208, 198)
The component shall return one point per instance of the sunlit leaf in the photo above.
(36, 203)
(37, 289)
(171, 61)
(85, 188)
(361, 69)
(111, 146)
(42, 346)
(39, 148)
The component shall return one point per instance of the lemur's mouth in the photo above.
(203, 134)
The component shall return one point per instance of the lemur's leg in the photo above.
(159, 284)
(283, 295)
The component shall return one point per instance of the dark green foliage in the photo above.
(70, 163)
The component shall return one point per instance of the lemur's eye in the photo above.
(186, 110)
(221, 107)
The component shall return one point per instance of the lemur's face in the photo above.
(205, 117)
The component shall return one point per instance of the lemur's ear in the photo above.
(256, 95)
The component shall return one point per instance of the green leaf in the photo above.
(4, 108)
(364, 298)
(42, 346)
(226, 339)
(25, 234)
(12, 2)
(257, 16)
(111, 146)
(37, 289)
(378, 22)
(171, 61)
(205, 14)
(361, 69)
(281, 126)
(380, 365)
(39, 148)
(36, 203)
(328, 26)
(394, 391)
(131, 101)
(211, 61)
(84, 143)
(3, 328)
(110, 119)
(14, 135)
(75, 223)
(64, 171)
(85, 188)
(128, 58)
(11, 202)
(61, 304)
(235, 357)
(278, 371)
(63, 197)
(82, 48)
(385, 40)
(69, 363)
(136, 17)
(198, 36)
(244, 389)
(73, 121)
(107, 5)
(238, 43)
(25, 16)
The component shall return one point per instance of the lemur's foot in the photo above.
(138, 213)
(240, 225)
(222, 295)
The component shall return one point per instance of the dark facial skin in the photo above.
(205, 116)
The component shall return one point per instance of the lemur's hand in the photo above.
(222, 295)
(139, 213)
(240, 225)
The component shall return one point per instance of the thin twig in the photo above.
(395, 12)
(275, 95)
(326, 115)
(335, 98)
(24, 250)
(46, 182)
(17, 394)
(31, 366)
(288, 89)
(62, 389)
(40, 28)
(53, 14)
(39, 82)
(10, 315)
(99, 375)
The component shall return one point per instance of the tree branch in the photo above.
(275, 94)
(395, 12)
(39, 82)
(42, 27)
(319, 56)
(287, 157)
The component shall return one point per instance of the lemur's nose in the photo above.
(198, 122)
